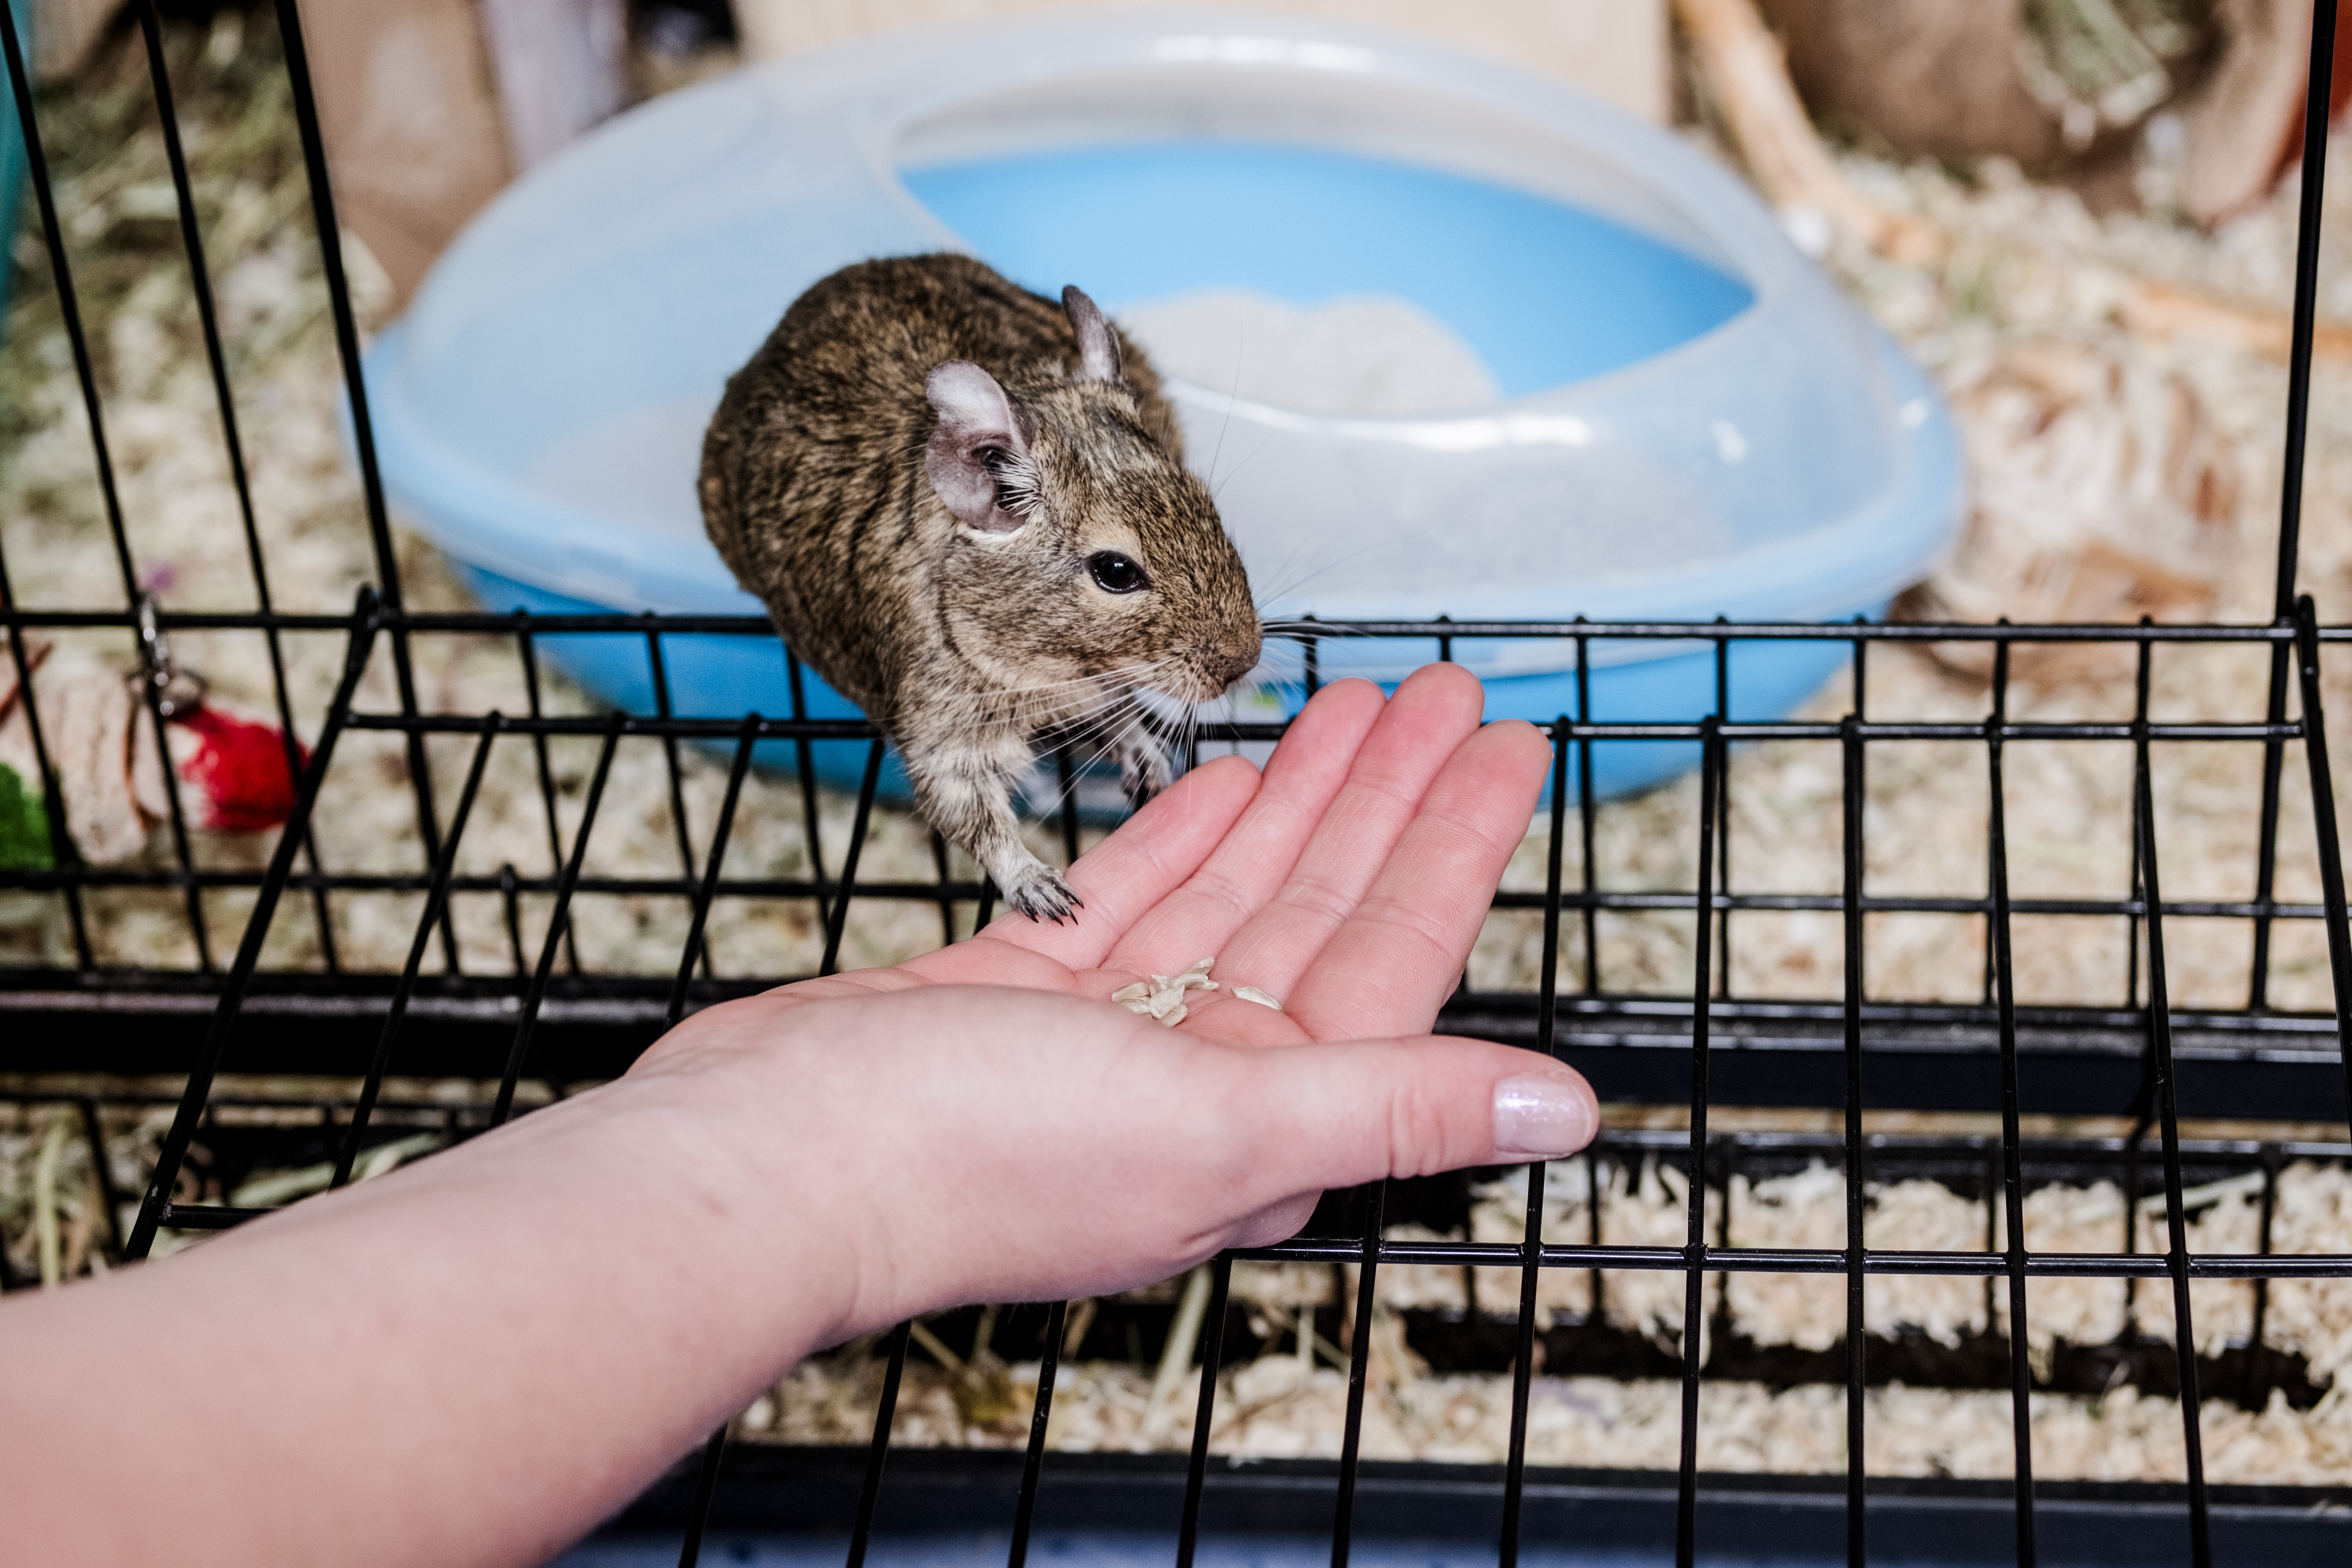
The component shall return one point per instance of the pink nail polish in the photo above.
(1540, 1116)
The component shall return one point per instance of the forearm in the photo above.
(474, 1359)
(471, 1361)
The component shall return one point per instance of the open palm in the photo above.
(980, 1125)
(1348, 880)
(788, 1171)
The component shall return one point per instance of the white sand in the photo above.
(1371, 356)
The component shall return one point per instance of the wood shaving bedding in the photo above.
(2102, 493)
(1278, 1405)
(1927, 1216)
(133, 1139)
(2027, 266)
(1808, 1210)
(184, 523)
(2012, 277)
(1274, 1408)
(2026, 263)
(1281, 1406)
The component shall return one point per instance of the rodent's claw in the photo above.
(1044, 896)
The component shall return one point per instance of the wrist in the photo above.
(738, 1103)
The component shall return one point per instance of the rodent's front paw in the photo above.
(1144, 769)
(1042, 895)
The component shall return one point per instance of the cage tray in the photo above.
(1609, 1515)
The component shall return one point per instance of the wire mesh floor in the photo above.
(506, 982)
(2264, 1056)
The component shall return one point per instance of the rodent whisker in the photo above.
(1081, 725)
(1103, 744)
(1282, 573)
(1232, 395)
(1091, 726)
(1129, 674)
(1037, 800)
(1218, 489)
(1293, 585)
(1301, 630)
(1248, 686)
(1083, 716)
(933, 390)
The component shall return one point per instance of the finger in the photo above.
(1306, 771)
(1151, 855)
(1278, 1221)
(1430, 716)
(1394, 960)
(1335, 1114)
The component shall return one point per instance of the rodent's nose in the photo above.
(1239, 654)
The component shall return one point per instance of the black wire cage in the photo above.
(275, 1063)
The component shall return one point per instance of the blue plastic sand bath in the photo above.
(1690, 421)
(1303, 223)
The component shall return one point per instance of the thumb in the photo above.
(1335, 1115)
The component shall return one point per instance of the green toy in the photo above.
(24, 826)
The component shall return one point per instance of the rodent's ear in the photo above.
(1097, 344)
(975, 416)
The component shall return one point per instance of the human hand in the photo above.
(1349, 879)
(540, 1319)
(979, 1124)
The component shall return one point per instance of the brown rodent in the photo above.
(967, 509)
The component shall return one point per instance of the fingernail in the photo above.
(1538, 1117)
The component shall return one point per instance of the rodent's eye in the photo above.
(1116, 573)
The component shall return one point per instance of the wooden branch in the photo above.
(2166, 312)
(1747, 72)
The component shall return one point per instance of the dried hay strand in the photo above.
(1272, 1408)
(2103, 493)
(1279, 1404)
(2027, 266)
(2015, 266)
(1283, 1404)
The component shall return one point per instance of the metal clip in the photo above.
(174, 691)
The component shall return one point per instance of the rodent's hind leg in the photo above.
(973, 808)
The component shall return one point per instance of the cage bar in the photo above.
(1643, 1038)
